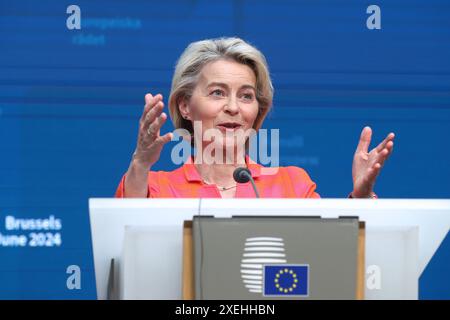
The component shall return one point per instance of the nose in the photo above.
(231, 106)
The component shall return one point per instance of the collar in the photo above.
(191, 173)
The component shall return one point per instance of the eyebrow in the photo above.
(224, 85)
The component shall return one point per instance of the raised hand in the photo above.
(150, 142)
(367, 165)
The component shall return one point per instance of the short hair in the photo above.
(200, 53)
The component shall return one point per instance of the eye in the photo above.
(217, 93)
(247, 96)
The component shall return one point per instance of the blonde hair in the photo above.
(200, 53)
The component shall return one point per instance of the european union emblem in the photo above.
(286, 280)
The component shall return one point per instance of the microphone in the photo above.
(243, 175)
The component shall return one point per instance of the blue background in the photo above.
(70, 101)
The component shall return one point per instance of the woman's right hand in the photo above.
(148, 149)
(150, 142)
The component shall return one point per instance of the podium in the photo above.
(138, 243)
(278, 257)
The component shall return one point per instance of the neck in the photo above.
(218, 173)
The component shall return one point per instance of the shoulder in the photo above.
(295, 179)
(161, 175)
(292, 172)
(297, 173)
(303, 185)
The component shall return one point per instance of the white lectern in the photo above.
(144, 239)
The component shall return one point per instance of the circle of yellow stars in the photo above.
(287, 272)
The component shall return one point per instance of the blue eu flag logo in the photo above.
(286, 280)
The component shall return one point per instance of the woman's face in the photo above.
(224, 99)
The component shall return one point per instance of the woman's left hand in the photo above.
(367, 165)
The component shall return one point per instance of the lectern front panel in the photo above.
(275, 258)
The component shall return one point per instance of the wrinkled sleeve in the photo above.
(152, 190)
(302, 184)
(120, 192)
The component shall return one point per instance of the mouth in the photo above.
(229, 126)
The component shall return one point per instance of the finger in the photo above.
(382, 156)
(386, 152)
(372, 173)
(364, 140)
(150, 102)
(147, 98)
(148, 105)
(390, 147)
(153, 114)
(162, 140)
(390, 137)
(155, 126)
(383, 143)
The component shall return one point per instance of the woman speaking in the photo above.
(223, 86)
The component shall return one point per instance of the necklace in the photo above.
(220, 187)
